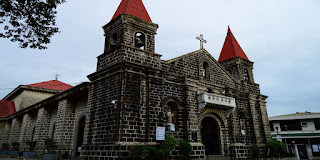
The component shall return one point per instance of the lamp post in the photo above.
(278, 135)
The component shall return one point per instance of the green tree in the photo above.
(31, 23)
(276, 148)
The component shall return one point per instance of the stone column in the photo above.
(22, 138)
(255, 118)
(42, 129)
(6, 132)
(64, 125)
(264, 117)
(15, 130)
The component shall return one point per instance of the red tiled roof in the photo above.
(6, 108)
(132, 7)
(54, 84)
(231, 48)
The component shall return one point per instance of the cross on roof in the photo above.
(201, 41)
(57, 75)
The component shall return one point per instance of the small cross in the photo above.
(57, 75)
(201, 41)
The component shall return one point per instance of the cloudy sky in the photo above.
(281, 37)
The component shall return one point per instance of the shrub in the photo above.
(256, 152)
(15, 146)
(185, 150)
(170, 142)
(158, 154)
(5, 146)
(162, 151)
(50, 145)
(140, 152)
(31, 144)
(276, 148)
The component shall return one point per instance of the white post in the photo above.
(296, 151)
(309, 151)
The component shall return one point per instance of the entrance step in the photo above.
(215, 157)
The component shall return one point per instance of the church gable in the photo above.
(201, 65)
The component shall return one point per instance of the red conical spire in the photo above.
(132, 7)
(231, 48)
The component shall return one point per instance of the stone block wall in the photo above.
(102, 122)
(27, 129)
(6, 132)
(28, 98)
(4, 129)
(15, 129)
(44, 127)
(191, 66)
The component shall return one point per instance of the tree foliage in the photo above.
(31, 23)
(276, 148)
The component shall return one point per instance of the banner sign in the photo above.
(160, 133)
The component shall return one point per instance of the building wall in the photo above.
(310, 125)
(27, 98)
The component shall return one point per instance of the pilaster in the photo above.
(22, 138)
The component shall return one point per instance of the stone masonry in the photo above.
(131, 94)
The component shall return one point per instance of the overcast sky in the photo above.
(281, 37)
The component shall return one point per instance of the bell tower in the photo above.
(132, 26)
(233, 58)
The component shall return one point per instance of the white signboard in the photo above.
(160, 133)
(223, 102)
(217, 99)
(315, 148)
(279, 138)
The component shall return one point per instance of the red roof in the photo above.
(132, 7)
(6, 108)
(54, 84)
(231, 48)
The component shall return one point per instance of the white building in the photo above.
(300, 132)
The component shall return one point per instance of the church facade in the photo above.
(213, 104)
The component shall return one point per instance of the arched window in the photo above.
(139, 40)
(53, 130)
(80, 134)
(205, 72)
(246, 75)
(243, 124)
(113, 40)
(32, 133)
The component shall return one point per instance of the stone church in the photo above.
(214, 104)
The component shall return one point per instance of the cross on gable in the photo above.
(57, 75)
(201, 41)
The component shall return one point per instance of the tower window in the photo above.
(246, 74)
(140, 40)
(113, 41)
(205, 72)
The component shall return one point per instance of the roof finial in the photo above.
(201, 41)
(57, 75)
(229, 30)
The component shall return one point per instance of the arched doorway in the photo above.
(80, 134)
(210, 132)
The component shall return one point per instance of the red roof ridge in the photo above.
(231, 48)
(53, 84)
(132, 7)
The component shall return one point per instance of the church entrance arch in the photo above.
(80, 134)
(210, 133)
